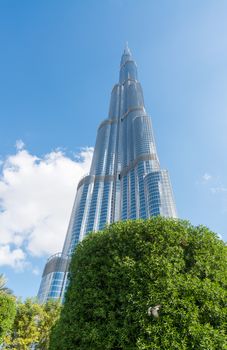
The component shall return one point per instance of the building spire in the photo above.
(128, 69)
(127, 49)
(127, 55)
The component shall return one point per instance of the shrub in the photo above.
(117, 274)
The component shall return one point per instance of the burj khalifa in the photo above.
(125, 179)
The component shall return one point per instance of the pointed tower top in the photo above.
(127, 55)
(128, 68)
(127, 49)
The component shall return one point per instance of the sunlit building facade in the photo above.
(125, 179)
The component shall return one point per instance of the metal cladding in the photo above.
(125, 179)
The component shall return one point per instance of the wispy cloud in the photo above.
(206, 177)
(36, 197)
(19, 145)
(213, 183)
(217, 190)
(36, 271)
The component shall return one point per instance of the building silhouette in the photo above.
(125, 179)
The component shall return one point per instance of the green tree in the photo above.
(51, 313)
(25, 331)
(32, 325)
(117, 275)
(7, 314)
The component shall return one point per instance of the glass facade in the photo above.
(125, 179)
(54, 278)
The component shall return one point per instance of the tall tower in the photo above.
(125, 180)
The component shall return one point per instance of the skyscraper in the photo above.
(125, 179)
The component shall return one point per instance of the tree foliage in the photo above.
(7, 314)
(51, 313)
(32, 325)
(117, 274)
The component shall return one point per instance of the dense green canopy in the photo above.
(7, 313)
(117, 274)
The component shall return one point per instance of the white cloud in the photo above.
(207, 177)
(213, 183)
(19, 145)
(36, 271)
(36, 198)
(12, 257)
(216, 190)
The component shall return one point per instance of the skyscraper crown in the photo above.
(128, 68)
(127, 55)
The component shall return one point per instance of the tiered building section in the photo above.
(125, 179)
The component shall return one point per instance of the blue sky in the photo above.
(58, 63)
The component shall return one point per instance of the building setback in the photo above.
(125, 179)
